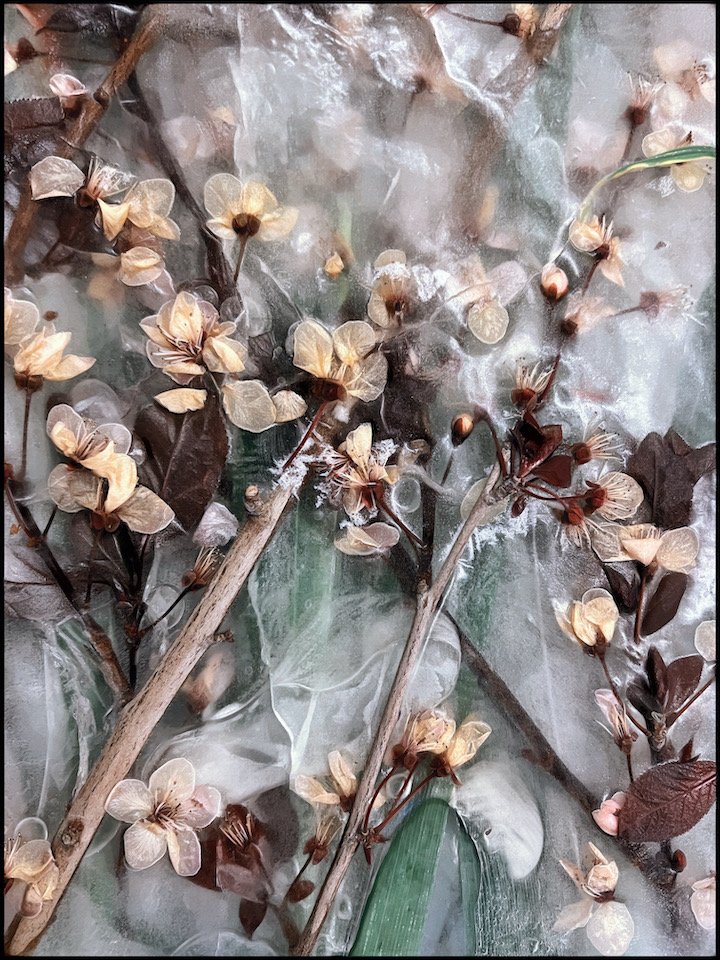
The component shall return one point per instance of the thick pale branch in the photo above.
(141, 716)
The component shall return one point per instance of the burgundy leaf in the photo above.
(299, 890)
(252, 915)
(667, 801)
(683, 676)
(657, 674)
(185, 456)
(640, 696)
(686, 754)
(557, 470)
(534, 442)
(664, 603)
(624, 585)
(28, 114)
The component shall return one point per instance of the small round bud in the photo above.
(518, 506)
(679, 861)
(511, 24)
(50, 315)
(461, 428)
(553, 282)
(253, 500)
(334, 266)
(568, 327)
(581, 453)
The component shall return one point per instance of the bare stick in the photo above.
(144, 712)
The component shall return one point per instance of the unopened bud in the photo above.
(461, 428)
(679, 861)
(253, 500)
(518, 506)
(554, 282)
(334, 266)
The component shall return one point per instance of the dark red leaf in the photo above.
(299, 890)
(686, 754)
(624, 585)
(642, 699)
(664, 603)
(251, 915)
(534, 442)
(657, 674)
(667, 801)
(28, 114)
(185, 456)
(557, 470)
(683, 676)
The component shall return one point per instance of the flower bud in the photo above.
(679, 861)
(461, 428)
(554, 282)
(334, 266)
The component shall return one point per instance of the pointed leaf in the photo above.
(251, 915)
(624, 585)
(667, 801)
(683, 677)
(557, 470)
(664, 602)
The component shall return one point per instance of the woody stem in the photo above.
(306, 436)
(413, 793)
(673, 717)
(482, 417)
(26, 422)
(448, 468)
(371, 802)
(464, 16)
(47, 526)
(639, 608)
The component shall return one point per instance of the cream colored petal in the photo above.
(174, 781)
(705, 640)
(145, 512)
(611, 269)
(69, 367)
(678, 550)
(139, 266)
(703, 902)
(342, 774)
(365, 541)
(107, 181)
(165, 229)
(369, 378)
(60, 490)
(606, 542)
(84, 487)
(21, 319)
(660, 141)
(65, 85)
(256, 200)
(112, 217)
(624, 496)
(688, 177)
(313, 791)
(201, 808)
(11, 63)
(121, 473)
(611, 929)
(222, 193)
(224, 356)
(377, 311)
(65, 428)
(353, 341)
(129, 800)
(185, 321)
(145, 843)
(151, 330)
(184, 369)
(640, 542)
(584, 631)
(707, 90)
(390, 256)
(673, 58)
(574, 916)
(182, 399)
(40, 352)
(358, 445)
(586, 235)
(600, 610)
(278, 224)
(469, 737)
(249, 405)
(574, 872)
(29, 860)
(221, 229)
(488, 322)
(602, 878)
(150, 200)
(184, 850)
(288, 406)
(313, 349)
(55, 177)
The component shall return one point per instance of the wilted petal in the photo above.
(313, 791)
(377, 310)
(174, 781)
(703, 902)
(182, 400)
(602, 878)
(184, 320)
(313, 348)
(574, 916)
(68, 367)
(129, 801)
(29, 860)
(221, 229)
(113, 217)
(705, 640)
(65, 428)
(369, 378)
(678, 550)
(640, 541)
(611, 929)
(120, 471)
(600, 610)
(353, 341)
(605, 699)
(65, 85)
(72, 490)
(688, 177)
(468, 738)
(256, 200)
(288, 406)
(21, 319)
(184, 849)
(221, 355)
(586, 235)
(249, 405)
(278, 224)
(605, 540)
(139, 266)
(201, 809)
(358, 445)
(55, 177)
(388, 257)
(342, 774)
(223, 193)
(216, 527)
(364, 541)
(145, 512)
(488, 322)
(145, 843)
(149, 201)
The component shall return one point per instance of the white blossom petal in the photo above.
(288, 406)
(705, 640)
(55, 177)
(313, 349)
(222, 193)
(488, 322)
(145, 512)
(145, 843)
(574, 916)
(182, 399)
(611, 929)
(129, 801)
(678, 550)
(249, 405)
(201, 809)
(184, 849)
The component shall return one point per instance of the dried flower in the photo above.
(678, 65)
(588, 235)
(203, 570)
(241, 211)
(328, 825)
(100, 449)
(31, 862)
(39, 356)
(607, 816)
(345, 363)
(360, 471)
(666, 304)
(21, 319)
(164, 816)
(616, 716)
(582, 312)
(465, 743)
(146, 206)
(553, 281)
(365, 541)
(703, 902)
(674, 550)
(688, 177)
(642, 94)
(523, 20)
(597, 444)
(608, 924)
(427, 732)
(393, 291)
(337, 790)
(530, 383)
(334, 265)
(590, 621)
(135, 268)
(705, 640)
(250, 406)
(616, 496)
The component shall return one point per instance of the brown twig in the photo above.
(142, 715)
(639, 609)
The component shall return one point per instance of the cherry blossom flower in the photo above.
(147, 206)
(591, 620)
(703, 902)
(594, 236)
(553, 281)
(243, 210)
(482, 296)
(250, 406)
(642, 94)
(687, 177)
(530, 382)
(680, 67)
(360, 471)
(675, 550)
(365, 541)
(616, 496)
(607, 923)
(31, 861)
(705, 640)
(394, 290)
(597, 444)
(203, 570)
(583, 312)
(21, 319)
(427, 732)
(39, 356)
(607, 816)
(135, 268)
(327, 827)
(464, 744)
(523, 20)
(345, 363)
(616, 716)
(337, 790)
(100, 449)
(164, 815)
